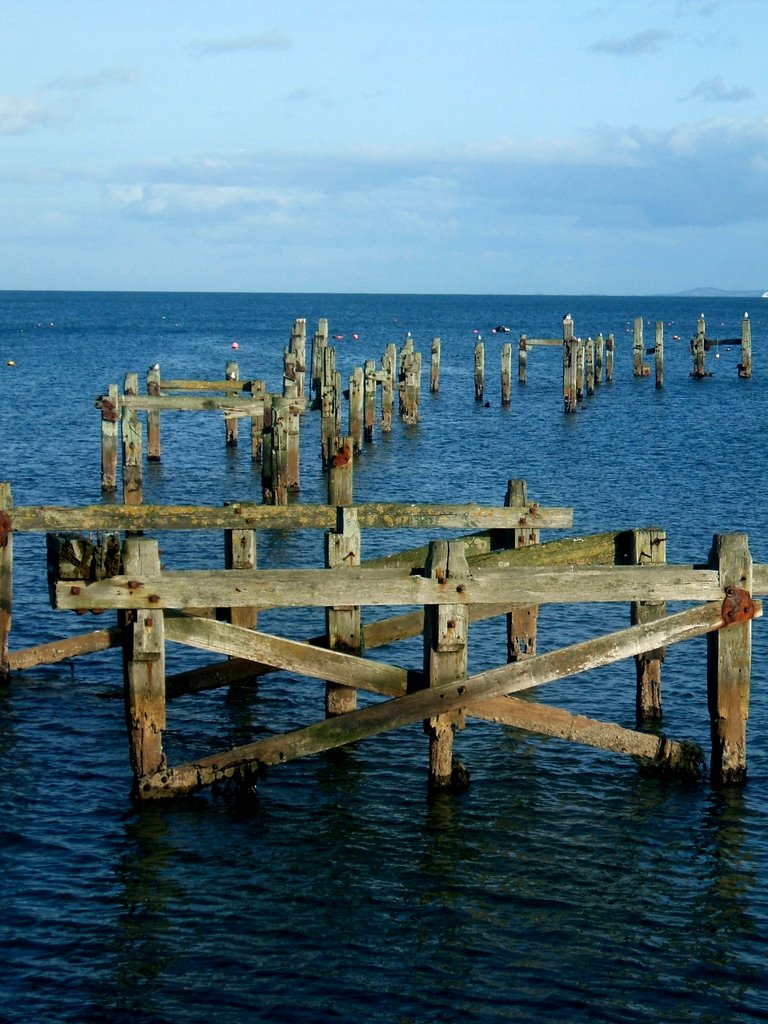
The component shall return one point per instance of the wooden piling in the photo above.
(506, 373)
(6, 576)
(370, 383)
(319, 343)
(328, 431)
(729, 658)
(479, 369)
(153, 416)
(144, 666)
(356, 408)
(638, 365)
(343, 624)
(445, 656)
(388, 381)
(341, 473)
(522, 359)
(599, 358)
(231, 372)
(570, 366)
(698, 348)
(258, 390)
(648, 547)
(409, 383)
(745, 366)
(298, 346)
(659, 353)
(240, 553)
(274, 463)
(132, 446)
(609, 358)
(110, 426)
(589, 361)
(434, 373)
(522, 621)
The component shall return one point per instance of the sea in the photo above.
(564, 883)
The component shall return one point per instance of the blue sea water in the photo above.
(563, 885)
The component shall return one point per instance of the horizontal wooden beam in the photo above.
(245, 516)
(393, 714)
(231, 405)
(322, 588)
(288, 655)
(544, 720)
(61, 650)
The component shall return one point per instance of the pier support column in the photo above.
(445, 657)
(110, 430)
(745, 366)
(343, 624)
(522, 622)
(648, 547)
(729, 660)
(132, 447)
(231, 372)
(659, 351)
(434, 373)
(479, 369)
(144, 666)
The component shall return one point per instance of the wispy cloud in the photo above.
(97, 80)
(260, 43)
(714, 90)
(20, 115)
(632, 46)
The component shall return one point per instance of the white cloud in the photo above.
(20, 115)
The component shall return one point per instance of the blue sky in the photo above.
(465, 146)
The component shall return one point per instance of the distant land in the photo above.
(718, 293)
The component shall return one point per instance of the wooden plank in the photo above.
(231, 405)
(287, 655)
(320, 588)
(544, 720)
(61, 650)
(240, 515)
(385, 716)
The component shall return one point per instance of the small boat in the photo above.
(501, 329)
(765, 295)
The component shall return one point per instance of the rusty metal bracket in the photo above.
(738, 606)
(6, 528)
(109, 412)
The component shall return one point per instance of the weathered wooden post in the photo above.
(298, 346)
(638, 366)
(589, 359)
(319, 342)
(745, 366)
(479, 368)
(231, 372)
(729, 658)
(445, 656)
(698, 346)
(370, 383)
(258, 390)
(342, 549)
(274, 464)
(409, 387)
(570, 367)
(522, 359)
(434, 375)
(648, 547)
(144, 672)
(609, 358)
(356, 408)
(110, 420)
(580, 361)
(599, 358)
(153, 415)
(659, 353)
(388, 380)
(6, 576)
(328, 431)
(292, 414)
(522, 622)
(132, 446)
(240, 553)
(290, 384)
(506, 373)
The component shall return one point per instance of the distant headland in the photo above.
(719, 293)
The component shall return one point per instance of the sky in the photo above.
(404, 146)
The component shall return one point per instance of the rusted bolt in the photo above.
(74, 590)
(133, 584)
(153, 598)
(451, 623)
(460, 589)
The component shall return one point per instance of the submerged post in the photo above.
(506, 373)
(343, 624)
(659, 353)
(479, 369)
(132, 447)
(522, 359)
(153, 415)
(570, 367)
(445, 656)
(698, 347)
(639, 368)
(522, 621)
(729, 659)
(110, 429)
(231, 372)
(609, 358)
